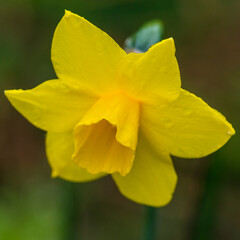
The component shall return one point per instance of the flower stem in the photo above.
(150, 223)
(70, 207)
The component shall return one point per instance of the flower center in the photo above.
(106, 137)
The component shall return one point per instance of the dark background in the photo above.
(206, 202)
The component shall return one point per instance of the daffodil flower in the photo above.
(115, 113)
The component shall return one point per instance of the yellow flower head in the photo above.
(110, 112)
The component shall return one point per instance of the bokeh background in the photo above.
(206, 204)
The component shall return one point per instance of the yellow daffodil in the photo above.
(110, 112)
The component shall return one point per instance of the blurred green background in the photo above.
(206, 202)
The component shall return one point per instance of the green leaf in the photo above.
(149, 34)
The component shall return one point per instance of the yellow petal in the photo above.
(60, 148)
(106, 137)
(84, 55)
(153, 76)
(51, 106)
(152, 178)
(188, 126)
